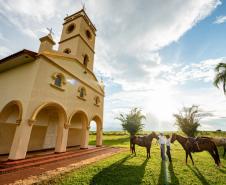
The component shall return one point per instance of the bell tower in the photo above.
(78, 38)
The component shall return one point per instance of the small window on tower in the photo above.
(85, 60)
(81, 93)
(88, 34)
(70, 28)
(97, 101)
(67, 50)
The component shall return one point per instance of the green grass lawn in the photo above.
(122, 168)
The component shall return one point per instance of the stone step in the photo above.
(38, 158)
(49, 160)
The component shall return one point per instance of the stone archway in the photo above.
(48, 128)
(99, 129)
(78, 129)
(10, 117)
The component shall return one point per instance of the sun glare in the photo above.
(161, 104)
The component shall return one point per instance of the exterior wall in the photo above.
(17, 83)
(7, 131)
(75, 131)
(79, 49)
(44, 131)
(43, 92)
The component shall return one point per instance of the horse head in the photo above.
(173, 138)
(154, 135)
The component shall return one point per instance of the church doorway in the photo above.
(47, 128)
(77, 130)
(95, 133)
(10, 117)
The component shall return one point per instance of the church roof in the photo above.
(16, 59)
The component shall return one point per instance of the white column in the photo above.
(62, 136)
(99, 136)
(20, 141)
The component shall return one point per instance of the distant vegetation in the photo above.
(188, 119)
(132, 122)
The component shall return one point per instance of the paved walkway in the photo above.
(42, 167)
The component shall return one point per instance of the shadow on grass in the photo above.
(173, 177)
(162, 176)
(198, 174)
(120, 173)
(221, 170)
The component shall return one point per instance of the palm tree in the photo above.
(188, 120)
(220, 77)
(132, 122)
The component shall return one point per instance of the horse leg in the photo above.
(186, 157)
(224, 151)
(148, 152)
(134, 150)
(217, 155)
(191, 158)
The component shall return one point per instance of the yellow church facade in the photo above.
(49, 98)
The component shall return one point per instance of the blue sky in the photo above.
(156, 55)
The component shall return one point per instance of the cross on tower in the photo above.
(83, 5)
(50, 31)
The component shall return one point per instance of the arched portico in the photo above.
(10, 117)
(78, 129)
(99, 129)
(48, 128)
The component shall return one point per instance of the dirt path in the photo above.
(43, 172)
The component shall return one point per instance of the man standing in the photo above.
(162, 145)
(168, 148)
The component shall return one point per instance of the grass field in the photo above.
(123, 169)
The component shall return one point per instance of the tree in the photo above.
(132, 122)
(220, 77)
(188, 119)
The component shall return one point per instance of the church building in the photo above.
(49, 98)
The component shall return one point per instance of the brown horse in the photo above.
(144, 141)
(197, 145)
(219, 141)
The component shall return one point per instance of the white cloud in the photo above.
(4, 51)
(130, 34)
(129, 37)
(220, 20)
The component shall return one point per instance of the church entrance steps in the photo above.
(9, 166)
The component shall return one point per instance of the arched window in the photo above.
(88, 34)
(67, 51)
(58, 80)
(70, 28)
(82, 92)
(97, 101)
(85, 60)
